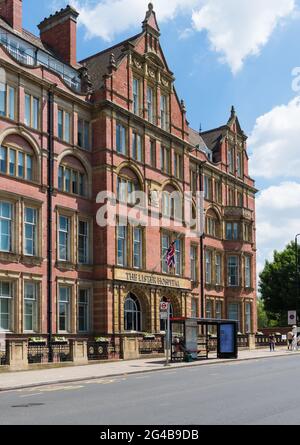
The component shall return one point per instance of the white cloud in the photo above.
(240, 28)
(278, 219)
(235, 28)
(274, 142)
(108, 18)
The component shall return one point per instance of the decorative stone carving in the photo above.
(165, 82)
(154, 198)
(138, 64)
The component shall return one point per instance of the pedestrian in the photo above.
(272, 342)
(290, 338)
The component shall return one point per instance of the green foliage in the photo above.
(278, 285)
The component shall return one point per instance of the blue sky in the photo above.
(223, 53)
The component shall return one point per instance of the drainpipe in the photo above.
(49, 216)
(202, 236)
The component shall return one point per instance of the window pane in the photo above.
(2, 99)
(11, 103)
(29, 167)
(83, 242)
(5, 306)
(86, 135)
(20, 165)
(67, 127)
(60, 178)
(27, 109)
(35, 122)
(80, 132)
(12, 162)
(60, 124)
(3, 159)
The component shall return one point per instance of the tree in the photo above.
(278, 286)
(263, 320)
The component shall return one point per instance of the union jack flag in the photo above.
(170, 258)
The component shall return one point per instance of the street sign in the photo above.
(164, 315)
(164, 306)
(292, 315)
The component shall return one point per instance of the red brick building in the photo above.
(69, 130)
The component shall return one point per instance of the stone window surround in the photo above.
(18, 207)
(129, 247)
(74, 218)
(17, 281)
(74, 286)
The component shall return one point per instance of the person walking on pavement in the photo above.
(272, 342)
(290, 338)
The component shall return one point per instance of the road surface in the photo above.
(250, 392)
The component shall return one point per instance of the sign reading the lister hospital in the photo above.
(152, 279)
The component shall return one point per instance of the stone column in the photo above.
(17, 350)
(79, 351)
(252, 342)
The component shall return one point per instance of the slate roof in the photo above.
(213, 137)
(195, 139)
(97, 64)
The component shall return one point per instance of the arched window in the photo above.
(127, 185)
(212, 224)
(171, 206)
(72, 177)
(163, 323)
(132, 314)
(17, 158)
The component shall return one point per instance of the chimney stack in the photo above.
(11, 12)
(59, 31)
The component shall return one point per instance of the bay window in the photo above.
(233, 271)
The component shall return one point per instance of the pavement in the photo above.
(34, 378)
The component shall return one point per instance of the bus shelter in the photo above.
(191, 338)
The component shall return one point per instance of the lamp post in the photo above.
(297, 275)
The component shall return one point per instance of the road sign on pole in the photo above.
(165, 315)
(292, 318)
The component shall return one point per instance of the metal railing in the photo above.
(28, 59)
(38, 353)
(263, 341)
(151, 345)
(61, 352)
(3, 358)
